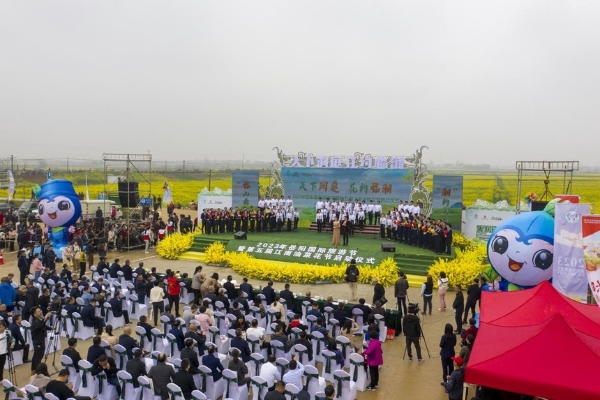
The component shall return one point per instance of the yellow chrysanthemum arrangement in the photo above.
(173, 245)
(466, 266)
(255, 268)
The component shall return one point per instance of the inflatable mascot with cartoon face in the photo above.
(58, 208)
(521, 249)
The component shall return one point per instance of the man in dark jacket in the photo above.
(340, 313)
(136, 367)
(213, 363)
(161, 375)
(288, 296)
(411, 325)
(473, 296)
(127, 271)
(38, 336)
(378, 291)
(127, 341)
(193, 334)
(95, 350)
(61, 390)
(117, 307)
(247, 288)
(223, 299)
(20, 344)
(230, 288)
(88, 316)
(239, 343)
(143, 322)
(23, 266)
(114, 268)
(32, 299)
(109, 367)
(191, 354)
(72, 353)
(269, 293)
(401, 292)
(459, 307)
(184, 379)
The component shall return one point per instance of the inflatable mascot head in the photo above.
(58, 208)
(521, 249)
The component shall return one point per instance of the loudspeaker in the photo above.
(129, 194)
(241, 235)
(538, 205)
(388, 247)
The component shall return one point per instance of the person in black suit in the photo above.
(61, 390)
(117, 307)
(114, 268)
(269, 293)
(378, 290)
(247, 288)
(191, 354)
(223, 299)
(235, 310)
(213, 363)
(20, 344)
(239, 343)
(136, 367)
(243, 301)
(140, 270)
(278, 393)
(340, 313)
(192, 333)
(72, 353)
(127, 271)
(459, 307)
(230, 288)
(448, 243)
(184, 379)
(88, 316)
(31, 299)
(288, 296)
(95, 350)
(143, 322)
(109, 367)
(127, 341)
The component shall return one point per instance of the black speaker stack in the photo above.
(129, 194)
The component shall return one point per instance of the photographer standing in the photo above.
(38, 336)
(352, 279)
(7, 342)
(411, 325)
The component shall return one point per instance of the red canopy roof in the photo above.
(537, 342)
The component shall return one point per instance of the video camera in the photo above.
(413, 308)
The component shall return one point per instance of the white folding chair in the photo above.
(347, 389)
(147, 389)
(314, 382)
(82, 332)
(318, 345)
(158, 340)
(232, 389)
(358, 375)
(33, 393)
(74, 377)
(198, 395)
(145, 344)
(126, 383)
(12, 393)
(259, 387)
(380, 320)
(291, 391)
(89, 384)
(212, 390)
(116, 322)
(329, 365)
(256, 361)
(282, 365)
(172, 349)
(121, 356)
(302, 354)
(343, 343)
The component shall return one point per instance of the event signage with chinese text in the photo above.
(568, 275)
(447, 199)
(307, 185)
(308, 254)
(590, 230)
(366, 161)
(244, 188)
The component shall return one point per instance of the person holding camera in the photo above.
(7, 343)
(352, 279)
(411, 326)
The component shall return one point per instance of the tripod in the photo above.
(11, 368)
(414, 309)
(52, 346)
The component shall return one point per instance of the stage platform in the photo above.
(412, 260)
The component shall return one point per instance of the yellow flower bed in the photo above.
(173, 245)
(255, 268)
(468, 265)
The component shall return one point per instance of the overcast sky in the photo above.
(476, 81)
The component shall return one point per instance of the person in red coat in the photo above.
(174, 291)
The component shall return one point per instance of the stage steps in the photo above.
(414, 264)
(201, 242)
(192, 256)
(367, 229)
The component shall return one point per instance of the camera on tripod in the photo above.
(413, 308)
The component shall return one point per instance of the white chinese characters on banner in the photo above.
(317, 253)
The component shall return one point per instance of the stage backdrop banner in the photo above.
(568, 275)
(306, 185)
(245, 188)
(217, 199)
(590, 230)
(448, 199)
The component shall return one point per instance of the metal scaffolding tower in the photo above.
(566, 168)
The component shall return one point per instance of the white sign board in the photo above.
(215, 199)
(479, 223)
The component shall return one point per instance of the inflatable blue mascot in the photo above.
(59, 208)
(521, 250)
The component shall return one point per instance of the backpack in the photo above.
(353, 274)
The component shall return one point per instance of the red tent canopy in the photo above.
(537, 342)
